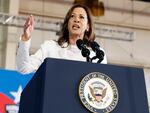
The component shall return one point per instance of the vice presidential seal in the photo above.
(98, 93)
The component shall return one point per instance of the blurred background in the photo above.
(122, 28)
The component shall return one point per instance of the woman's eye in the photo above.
(82, 17)
(72, 15)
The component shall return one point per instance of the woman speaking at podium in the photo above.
(78, 25)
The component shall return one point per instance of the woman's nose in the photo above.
(76, 19)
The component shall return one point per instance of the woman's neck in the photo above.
(73, 39)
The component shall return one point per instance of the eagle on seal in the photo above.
(98, 95)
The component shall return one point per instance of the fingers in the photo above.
(29, 22)
(28, 28)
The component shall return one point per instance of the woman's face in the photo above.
(78, 23)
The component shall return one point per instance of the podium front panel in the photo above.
(58, 84)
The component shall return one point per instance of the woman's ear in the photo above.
(87, 29)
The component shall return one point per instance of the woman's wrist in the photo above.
(24, 37)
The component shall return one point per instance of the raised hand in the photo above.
(28, 28)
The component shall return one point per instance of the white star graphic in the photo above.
(17, 94)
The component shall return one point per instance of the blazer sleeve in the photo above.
(28, 63)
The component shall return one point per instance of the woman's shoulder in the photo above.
(51, 43)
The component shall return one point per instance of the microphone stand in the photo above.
(88, 59)
(95, 57)
(99, 55)
(85, 53)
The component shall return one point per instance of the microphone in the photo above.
(99, 53)
(80, 44)
(84, 51)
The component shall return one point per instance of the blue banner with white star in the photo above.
(11, 85)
